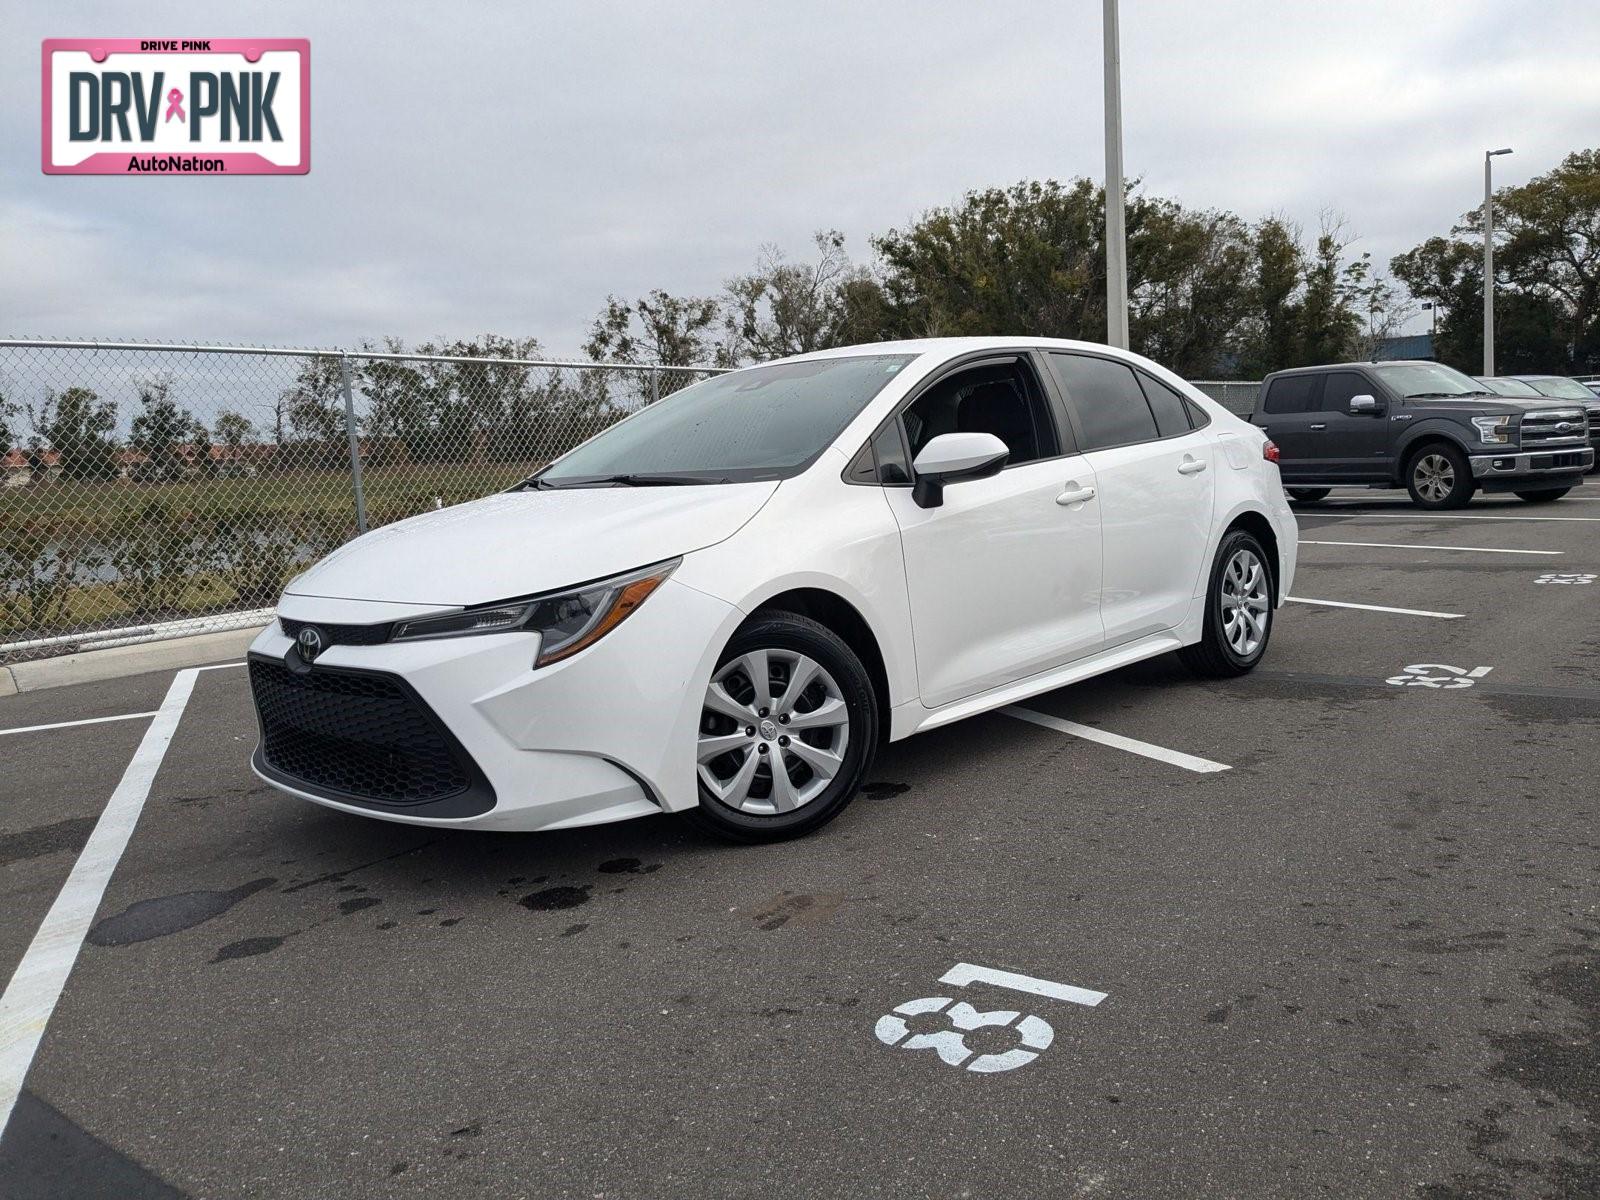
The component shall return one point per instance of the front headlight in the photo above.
(1493, 430)
(568, 621)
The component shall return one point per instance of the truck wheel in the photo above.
(1439, 476)
(1545, 496)
(1308, 495)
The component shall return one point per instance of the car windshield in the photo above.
(1429, 380)
(759, 423)
(1512, 387)
(1564, 389)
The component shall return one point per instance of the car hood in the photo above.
(1494, 404)
(522, 543)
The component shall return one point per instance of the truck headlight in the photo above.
(568, 621)
(1493, 430)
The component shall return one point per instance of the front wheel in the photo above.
(1439, 476)
(788, 729)
(1238, 620)
(1545, 496)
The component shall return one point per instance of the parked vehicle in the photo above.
(721, 605)
(1561, 388)
(1422, 426)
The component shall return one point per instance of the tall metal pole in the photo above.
(1116, 232)
(1488, 260)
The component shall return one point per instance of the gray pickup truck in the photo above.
(1422, 426)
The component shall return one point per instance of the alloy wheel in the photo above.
(1245, 603)
(774, 728)
(1434, 476)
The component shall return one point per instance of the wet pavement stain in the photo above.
(555, 898)
(626, 866)
(146, 919)
(70, 834)
(357, 903)
(778, 912)
(248, 948)
(572, 929)
(883, 790)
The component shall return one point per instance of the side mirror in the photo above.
(1365, 404)
(951, 458)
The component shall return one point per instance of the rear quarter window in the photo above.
(1292, 394)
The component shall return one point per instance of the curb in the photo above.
(91, 666)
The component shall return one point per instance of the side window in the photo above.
(1168, 406)
(1111, 408)
(1342, 385)
(1199, 418)
(1293, 394)
(999, 398)
(893, 466)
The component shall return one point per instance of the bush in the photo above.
(158, 554)
(254, 552)
(41, 568)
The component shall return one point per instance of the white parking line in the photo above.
(1460, 517)
(1404, 612)
(1089, 733)
(30, 998)
(964, 973)
(75, 724)
(1407, 546)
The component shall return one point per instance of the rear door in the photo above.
(1155, 482)
(1290, 413)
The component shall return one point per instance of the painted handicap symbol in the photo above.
(1034, 1033)
(1438, 675)
(1567, 577)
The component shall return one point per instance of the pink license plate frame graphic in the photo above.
(117, 162)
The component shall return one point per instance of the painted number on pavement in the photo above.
(1566, 577)
(1438, 675)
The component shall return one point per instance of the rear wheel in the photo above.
(1545, 496)
(1238, 611)
(1308, 495)
(788, 728)
(1439, 476)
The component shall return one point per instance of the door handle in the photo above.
(1322, 426)
(1191, 466)
(1075, 495)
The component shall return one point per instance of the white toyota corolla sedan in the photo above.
(719, 606)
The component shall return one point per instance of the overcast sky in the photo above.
(506, 170)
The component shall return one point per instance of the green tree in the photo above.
(1547, 275)
(785, 307)
(78, 426)
(161, 431)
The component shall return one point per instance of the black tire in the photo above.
(1436, 465)
(1308, 495)
(1215, 656)
(1545, 496)
(787, 634)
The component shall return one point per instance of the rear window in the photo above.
(1292, 394)
(1171, 418)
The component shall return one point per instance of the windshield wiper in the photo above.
(633, 479)
(1444, 395)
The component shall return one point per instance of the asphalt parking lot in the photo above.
(1362, 960)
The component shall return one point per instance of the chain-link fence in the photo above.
(1235, 395)
(152, 491)
(159, 490)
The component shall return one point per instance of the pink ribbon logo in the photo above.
(175, 106)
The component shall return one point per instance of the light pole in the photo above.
(1116, 233)
(1488, 260)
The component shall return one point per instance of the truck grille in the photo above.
(1546, 430)
(363, 737)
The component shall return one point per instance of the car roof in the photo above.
(949, 347)
(1356, 366)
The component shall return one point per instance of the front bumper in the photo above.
(1518, 469)
(606, 735)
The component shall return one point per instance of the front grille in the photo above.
(1546, 430)
(361, 736)
(339, 635)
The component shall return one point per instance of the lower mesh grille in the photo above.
(364, 736)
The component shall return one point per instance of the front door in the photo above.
(1356, 444)
(1004, 576)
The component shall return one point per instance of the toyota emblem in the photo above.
(309, 641)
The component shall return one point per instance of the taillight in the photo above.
(1269, 450)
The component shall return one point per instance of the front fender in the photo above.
(1430, 428)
